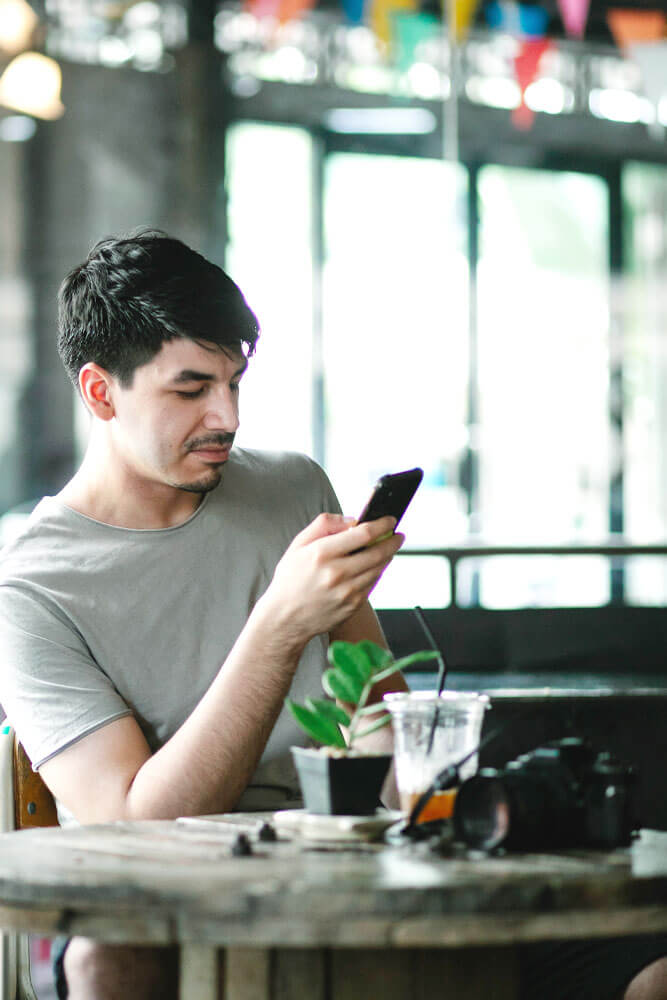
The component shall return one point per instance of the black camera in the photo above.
(563, 794)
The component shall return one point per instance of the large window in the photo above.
(269, 255)
(396, 346)
(544, 430)
(384, 376)
(641, 316)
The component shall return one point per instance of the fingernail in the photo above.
(349, 520)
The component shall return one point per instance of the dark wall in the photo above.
(132, 149)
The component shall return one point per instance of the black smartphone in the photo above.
(391, 495)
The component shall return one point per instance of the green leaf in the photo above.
(321, 729)
(351, 660)
(384, 721)
(330, 710)
(378, 656)
(340, 685)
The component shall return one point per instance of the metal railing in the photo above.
(616, 550)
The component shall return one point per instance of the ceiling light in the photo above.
(31, 84)
(17, 23)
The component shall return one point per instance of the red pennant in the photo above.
(526, 64)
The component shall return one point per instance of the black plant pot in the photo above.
(340, 786)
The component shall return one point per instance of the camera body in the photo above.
(563, 794)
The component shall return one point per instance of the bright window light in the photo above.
(381, 121)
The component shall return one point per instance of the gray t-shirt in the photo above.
(97, 621)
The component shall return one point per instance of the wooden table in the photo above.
(304, 922)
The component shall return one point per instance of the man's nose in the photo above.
(222, 412)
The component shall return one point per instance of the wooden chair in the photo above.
(25, 801)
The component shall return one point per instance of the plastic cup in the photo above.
(457, 731)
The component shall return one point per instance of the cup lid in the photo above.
(402, 698)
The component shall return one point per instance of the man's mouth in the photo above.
(212, 451)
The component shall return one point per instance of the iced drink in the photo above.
(455, 718)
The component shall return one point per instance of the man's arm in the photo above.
(322, 581)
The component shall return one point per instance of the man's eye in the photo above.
(191, 395)
(234, 386)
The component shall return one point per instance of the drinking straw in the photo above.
(442, 672)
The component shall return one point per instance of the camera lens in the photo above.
(482, 812)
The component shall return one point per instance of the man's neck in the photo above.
(123, 499)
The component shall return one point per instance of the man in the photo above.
(157, 611)
(154, 615)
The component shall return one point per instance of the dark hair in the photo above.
(133, 293)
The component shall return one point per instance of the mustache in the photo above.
(219, 440)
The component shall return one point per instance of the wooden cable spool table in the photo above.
(301, 920)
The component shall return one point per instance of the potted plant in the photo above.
(341, 778)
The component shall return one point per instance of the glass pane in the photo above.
(544, 434)
(414, 580)
(269, 255)
(534, 582)
(396, 334)
(642, 318)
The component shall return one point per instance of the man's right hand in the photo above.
(327, 573)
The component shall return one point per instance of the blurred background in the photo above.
(451, 224)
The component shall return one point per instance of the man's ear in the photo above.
(95, 385)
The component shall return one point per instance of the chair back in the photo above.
(33, 803)
(25, 801)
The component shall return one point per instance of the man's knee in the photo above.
(650, 983)
(96, 971)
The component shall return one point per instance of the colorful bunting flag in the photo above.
(381, 16)
(263, 8)
(526, 65)
(464, 12)
(290, 10)
(517, 18)
(354, 11)
(410, 30)
(574, 14)
(629, 26)
(282, 10)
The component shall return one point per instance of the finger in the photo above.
(374, 558)
(321, 527)
(359, 536)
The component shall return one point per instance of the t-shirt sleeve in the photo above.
(328, 501)
(51, 689)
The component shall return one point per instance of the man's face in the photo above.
(176, 423)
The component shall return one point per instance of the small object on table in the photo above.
(241, 848)
(321, 827)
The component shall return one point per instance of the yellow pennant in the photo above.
(464, 12)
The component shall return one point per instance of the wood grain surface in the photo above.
(161, 882)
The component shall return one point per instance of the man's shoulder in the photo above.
(290, 485)
(42, 531)
(271, 461)
(286, 467)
